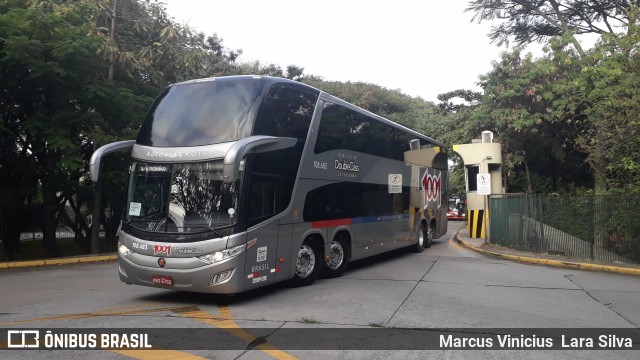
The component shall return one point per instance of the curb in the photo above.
(550, 262)
(62, 261)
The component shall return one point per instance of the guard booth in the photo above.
(482, 161)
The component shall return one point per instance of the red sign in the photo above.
(161, 249)
(431, 189)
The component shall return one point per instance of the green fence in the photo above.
(595, 227)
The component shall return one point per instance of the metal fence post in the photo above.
(591, 224)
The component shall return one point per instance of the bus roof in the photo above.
(323, 95)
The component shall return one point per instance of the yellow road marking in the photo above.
(103, 311)
(225, 322)
(158, 355)
(124, 310)
(94, 314)
(456, 245)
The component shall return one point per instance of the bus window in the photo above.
(286, 112)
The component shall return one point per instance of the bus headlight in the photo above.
(220, 256)
(123, 250)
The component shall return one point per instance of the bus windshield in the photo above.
(202, 113)
(180, 198)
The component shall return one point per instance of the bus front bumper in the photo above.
(217, 278)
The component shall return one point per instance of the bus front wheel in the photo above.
(308, 263)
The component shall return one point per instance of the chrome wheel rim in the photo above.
(421, 237)
(336, 256)
(305, 262)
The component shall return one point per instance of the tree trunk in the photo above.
(50, 208)
(11, 206)
(599, 177)
(565, 28)
(97, 189)
(526, 169)
(112, 40)
(95, 219)
(80, 227)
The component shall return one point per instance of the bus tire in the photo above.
(337, 259)
(308, 263)
(422, 233)
(429, 235)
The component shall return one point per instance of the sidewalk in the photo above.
(478, 245)
(58, 261)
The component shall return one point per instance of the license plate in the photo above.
(162, 280)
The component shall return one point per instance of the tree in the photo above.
(528, 104)
(529, 21)
(579, 92)
(295, 72)
(53, 98)
(612, 137)
(457, 108)
(79, 74)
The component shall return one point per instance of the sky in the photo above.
(420, 47)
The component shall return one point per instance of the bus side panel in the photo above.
(261, 256)
(285, 239)
(365, 237)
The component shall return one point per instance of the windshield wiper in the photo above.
(206, 228)
(144, 221)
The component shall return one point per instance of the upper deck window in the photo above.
(286, 111)
(346, 129)
(202, 113)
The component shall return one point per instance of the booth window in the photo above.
(472, 177)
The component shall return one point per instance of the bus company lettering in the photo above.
(161, 249)
(180, 154)
(345, 165)
(431, 189)
(154, 168)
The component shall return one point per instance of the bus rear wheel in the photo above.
(419, 246)
(431, 229)
(308, 263)
(337, 259)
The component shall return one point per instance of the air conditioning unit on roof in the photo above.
(487, 137)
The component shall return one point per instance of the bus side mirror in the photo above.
(94, 163)
(261, 143)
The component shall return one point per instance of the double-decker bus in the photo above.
(243, 181)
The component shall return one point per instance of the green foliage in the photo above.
(526, 105)
(529, 21)
(613, 136)
(571, 106)
(79, 74)
(414, 113)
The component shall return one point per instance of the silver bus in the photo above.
(243, 181)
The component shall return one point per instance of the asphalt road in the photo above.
(446, 286)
